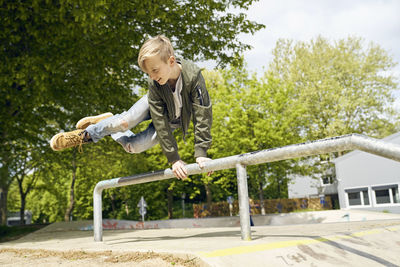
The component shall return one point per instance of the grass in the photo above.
(9, 233)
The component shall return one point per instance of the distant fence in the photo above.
(218, 209)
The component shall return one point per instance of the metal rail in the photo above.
(323, 146)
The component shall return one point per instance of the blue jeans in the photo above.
(118, 127)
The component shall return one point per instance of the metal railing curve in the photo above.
(323, 146)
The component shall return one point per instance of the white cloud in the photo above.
(373, 20)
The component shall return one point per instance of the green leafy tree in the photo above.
(345, 86)
(26, 177)
(62, 60)
(342, 86)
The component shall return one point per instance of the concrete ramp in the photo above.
(328, 216)
(366, 242)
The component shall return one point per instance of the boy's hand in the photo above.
(200, 161)
(179, 169)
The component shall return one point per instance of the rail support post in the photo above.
(97, 215)
(244, 210)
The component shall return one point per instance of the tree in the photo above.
(71, 204)
(62, 60)
(344, 86)
(26, 177)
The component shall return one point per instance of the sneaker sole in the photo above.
(85, 122)
(52, 142)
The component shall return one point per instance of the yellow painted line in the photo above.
(289, 243)
(255, 248)
(370, 232)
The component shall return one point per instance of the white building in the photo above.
(308, 187)
(360, 181)
(14, 218)
(367, 181)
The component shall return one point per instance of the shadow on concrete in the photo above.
(233, 233)
(48, 236)
(351, 250)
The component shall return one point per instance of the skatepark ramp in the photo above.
(323, 146)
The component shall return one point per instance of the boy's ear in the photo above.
(171, 60)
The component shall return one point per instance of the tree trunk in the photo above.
(113, 207)
(126, 208)
(23, 197)
(208, 196)
(22, 210)
(279, 188)
(70, 207)
(261, 194)
(5, 182)
(170, 203)
(3, 204)
(261, 176)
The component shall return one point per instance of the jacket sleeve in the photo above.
(159, 116)
(202, 117)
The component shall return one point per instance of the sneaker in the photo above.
(85, 122)
(68, 139)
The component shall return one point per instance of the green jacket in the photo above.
(195, 100)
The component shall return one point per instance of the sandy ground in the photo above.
(40, 257)
(56, 256)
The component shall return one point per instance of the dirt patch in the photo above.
(357, 241)
(25, 257)
(309, 251)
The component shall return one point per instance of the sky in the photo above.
(302, 20)
(375, 21)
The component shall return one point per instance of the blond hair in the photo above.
(158, 45)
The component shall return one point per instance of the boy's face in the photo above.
(158, 70)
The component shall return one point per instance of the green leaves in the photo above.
(63, 60)
(342, 86)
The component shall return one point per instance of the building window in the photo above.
(387, 194)
(358, 196)
(354, 199)
(382, 196)
(327, 180)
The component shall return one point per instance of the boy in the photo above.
(176, 90)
